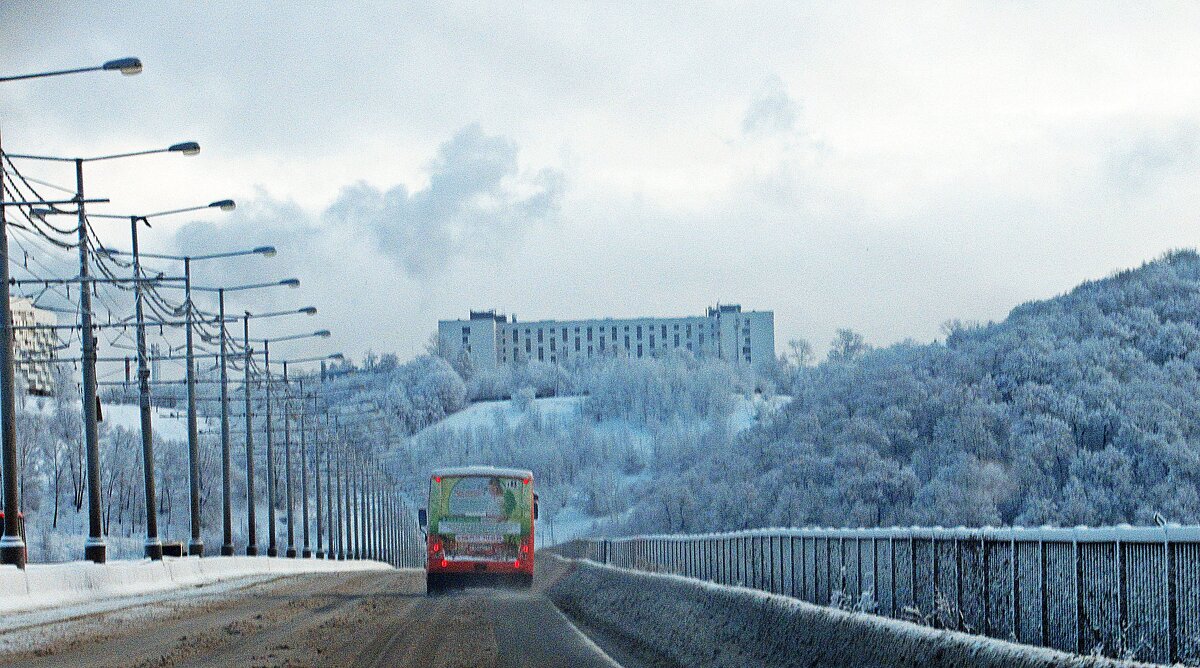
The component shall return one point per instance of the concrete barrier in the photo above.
(42, 586)
(693, 623)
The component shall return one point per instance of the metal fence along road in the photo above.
(1130, 592)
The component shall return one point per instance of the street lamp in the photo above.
(126, 66)
(95, 548)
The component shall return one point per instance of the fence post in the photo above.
(1171, 590)
(1123, 584)
(1078, 577)
(985, 559)
(892, 562)
(958, 582)
(912, 568)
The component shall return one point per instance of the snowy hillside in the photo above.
(587, 466)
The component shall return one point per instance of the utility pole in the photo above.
(287, 463)
(329, 499)
(226, 456)
(196, 544)
(251, 539)
(12, 545)
(341, 542)
(306, 553)
(153, 546)
(94, 549)
(317, 443)
(272, 546)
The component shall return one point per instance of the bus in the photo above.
(479, 525)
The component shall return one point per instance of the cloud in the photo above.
(477, 201)
(772, 112)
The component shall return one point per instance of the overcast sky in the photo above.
(871, 166)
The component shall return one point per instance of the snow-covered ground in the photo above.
(92, 587)
(169, 424)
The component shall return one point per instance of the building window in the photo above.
(639, 332)
(639, 350)
(602, 343)
(626, 342)
(652, 340)
(747, 340)
(527, 346)
(676, 326)
(589, 334)
(539, 336)
(676, 340)
(564, 334)
(664, 332)
(540, 359)
(689, 345)
(701, 337)
(514, 354)
(514, 336)
(552, 344)
(577, 344)
(689, 330)
(589, 351)
(614, 333)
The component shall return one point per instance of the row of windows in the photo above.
(639, 330)
(564, 353)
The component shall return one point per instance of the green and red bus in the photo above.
(479, 523)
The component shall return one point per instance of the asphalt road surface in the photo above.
(353, 619)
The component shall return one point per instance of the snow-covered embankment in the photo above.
(53, 585)
(701, 624)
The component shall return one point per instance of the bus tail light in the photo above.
(443, 563)
(435, 545)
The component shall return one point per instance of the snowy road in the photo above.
(345, 619)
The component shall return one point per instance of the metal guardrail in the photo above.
(1128, 592)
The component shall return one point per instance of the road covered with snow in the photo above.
(364, 618)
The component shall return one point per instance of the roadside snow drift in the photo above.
(695, 623)
(52, 585)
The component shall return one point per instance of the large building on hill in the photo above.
(34, 343)
(489, 339)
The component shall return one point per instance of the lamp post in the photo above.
(126, 66)
(94, 549)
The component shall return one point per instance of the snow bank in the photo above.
(53, 585)
(696, 623)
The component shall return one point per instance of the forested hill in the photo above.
(1081, 409)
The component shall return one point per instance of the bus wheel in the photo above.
(433, 584)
